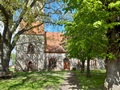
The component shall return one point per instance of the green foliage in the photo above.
(115, 5)
(13, 56)
(72, 4)
(110, 56)
(86, 34)
(93, 83)
(33, 81)
(18, 17)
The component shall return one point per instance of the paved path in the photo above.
(70, 82)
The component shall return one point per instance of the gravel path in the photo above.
(70, 82)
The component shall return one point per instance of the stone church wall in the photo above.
(60, 60)
(35, 56)
(59, 57)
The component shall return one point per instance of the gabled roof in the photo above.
(53, 42)
(36, 30)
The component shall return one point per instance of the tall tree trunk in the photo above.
(83, 66)
(0, 52)
(88, 68)
(6, 53)
(112, 81)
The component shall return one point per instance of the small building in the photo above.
(39, 50)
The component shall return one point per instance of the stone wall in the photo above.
(59, 57)
(60, 60)
(96, 64)
(23, 57)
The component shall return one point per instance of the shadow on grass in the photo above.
(34, 81)
(94, 83)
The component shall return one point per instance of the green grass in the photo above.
(46, 80)
(33, 81)
(11, 69)
(94, 83)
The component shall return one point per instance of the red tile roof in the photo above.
(53, 42)
(36, 30)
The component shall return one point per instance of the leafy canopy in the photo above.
(87, 34)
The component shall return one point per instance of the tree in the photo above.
(12, 14)
(108, 23)
(113, 52)
(9, 10)
(84, 46)
(84, 34)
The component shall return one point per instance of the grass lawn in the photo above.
(33, 81)
(94, 83)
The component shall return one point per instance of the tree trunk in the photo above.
(6, 52)
(112, 81)
(83, 66)
(88, 68)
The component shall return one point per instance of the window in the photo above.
(30, 48)
(52, 63)
(66, 60)
(29, 66)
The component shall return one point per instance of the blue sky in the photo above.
(55, 12)
(54, 17)
(51, 28)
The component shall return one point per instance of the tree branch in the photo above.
(24, 30)
(21, 32)
(21, 15)
(6, 22)
(33, 3)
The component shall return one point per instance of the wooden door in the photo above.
(66, 65)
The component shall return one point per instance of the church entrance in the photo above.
(66, 64)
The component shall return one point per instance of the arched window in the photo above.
(66, 59)
(30, 48)
(29, 66)
(52, 63)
